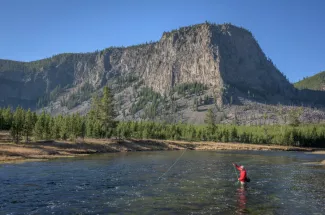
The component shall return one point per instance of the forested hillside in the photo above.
(315, 82)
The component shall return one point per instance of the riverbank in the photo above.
(43, 150)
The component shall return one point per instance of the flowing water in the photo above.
(199, 183)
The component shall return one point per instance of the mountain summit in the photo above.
(220, 64)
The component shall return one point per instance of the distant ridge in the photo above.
(315, 82)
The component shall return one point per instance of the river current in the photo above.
(201, 182)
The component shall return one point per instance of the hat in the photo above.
(242, 167)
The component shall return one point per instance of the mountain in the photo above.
(315, 82)
(174, 79)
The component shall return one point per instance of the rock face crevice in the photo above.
(217, 56)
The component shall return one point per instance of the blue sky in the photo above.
(291, 33)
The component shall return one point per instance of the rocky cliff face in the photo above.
(224, 58)
(213, 55)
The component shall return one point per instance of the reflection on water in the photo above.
(200, 183)
(242, 199)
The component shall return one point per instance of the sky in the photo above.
(291, 33)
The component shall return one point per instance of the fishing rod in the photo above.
(236, 175)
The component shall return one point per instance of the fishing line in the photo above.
(173, 164)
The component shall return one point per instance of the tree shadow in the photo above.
(150, 145)
(51, 149)
(89, 147)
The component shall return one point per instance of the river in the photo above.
(201, 182)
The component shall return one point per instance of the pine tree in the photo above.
(72, 125)
(291, 140)
(233, 134)
(225, 136)
(17, 127)
(119, 130)
(34, 117)
(28, 125)
(89, 126)
(93, 124)
(51, 133)
(46, 129)
(55, 129)
(83, 129)
(77, 126)
(134, 129)
(7, 118)
(295, 115)
(107, 112)
(97, 132)
(64, 127)
(210, 120)
(39, 126)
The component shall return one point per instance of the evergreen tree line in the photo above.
(304, 135)
(100, 123)
(24, 125)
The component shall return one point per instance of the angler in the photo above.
(243, 174)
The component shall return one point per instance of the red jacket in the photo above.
(243, 173)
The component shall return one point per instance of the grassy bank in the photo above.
(43, 150)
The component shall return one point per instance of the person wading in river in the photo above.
(243, 174)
